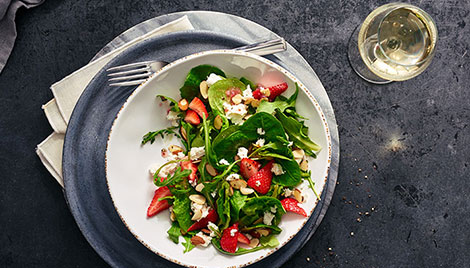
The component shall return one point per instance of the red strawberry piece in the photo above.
(261, 181)
(232, 92)
(191, 166)
(229, 239)
(243, 239)
(277, 90)
(292, 205)
(249, 167)
(202, 223)
(192, 118)
(199, 107)
(257, 94)
(157, 206)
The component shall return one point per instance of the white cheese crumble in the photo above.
(173, 118)
(197, 152)
(260, 142)
(247, 93)
(212, 78)
(214, 193)
(203, 208)
(235, 112)
(166, 170)
(277, 169)
(290, 144)
(268, 218)
(207, 239)
(233, 232)
(242, 152)
(273, 210)
(153, 168)
(232, 177)
(213, 228)
(287, 192)
(224, 162)
(260, 131)
(258, 183)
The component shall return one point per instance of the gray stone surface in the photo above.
(410, 138)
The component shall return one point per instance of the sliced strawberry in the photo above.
(249, 167)
(199, 107)
(193, 167)
(257, 94)
(192, 118)
(229, 239)
(232, 92)
(261, 181)
(243, 239)
(277, 90)
(202, 223)
(157, 206)
(292, 205)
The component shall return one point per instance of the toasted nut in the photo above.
(265, 99)
(263, 232)
(254, 242)
(183, 104)
(211, 170)
(230, 191)
(304, 164)
(175, 149)
(248, 101)
(197, 215)
(237, 99)
(205, 231)
(183, 133)
(172, 216)
(298, 196)
(238, 183)
(198, 199)
(265, 92)
(246, 191)
(197, 240)
(255, 103)
(247, 116)
(204, 88)
(260, 220)
(218, 122)
(298, 154)
(199, 187)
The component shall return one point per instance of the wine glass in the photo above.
(395, 42)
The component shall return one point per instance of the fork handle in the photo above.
(265, 47)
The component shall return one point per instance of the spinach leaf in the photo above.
(217, 95)
(182, 210)
(291, 176)
(237, 201)
(265, 242)
(150, 137)
(248, 82)
(296, 133)
(258, 205)
(224, 134)
(188, 246)
(195, 76)
(274, 229)
(223, 205)
(174, 232)
(269, 241)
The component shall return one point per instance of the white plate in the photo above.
(127, 162)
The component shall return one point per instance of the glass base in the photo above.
(357, 63)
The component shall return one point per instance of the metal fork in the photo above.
(137, 73)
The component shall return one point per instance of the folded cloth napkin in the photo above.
(8, 10)
(68, 90)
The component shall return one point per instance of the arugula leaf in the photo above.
(150, 137)
(188, 246)
(173, 104)
(308, 176)
(196, 75)
(223, 205)
(190, 135)
(291, 176)
(174, 232)
(173, 179)
(237, 201)
(182, 210)
(248, 82)
(296, 133)
(217, 95)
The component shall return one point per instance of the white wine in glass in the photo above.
(396, 42)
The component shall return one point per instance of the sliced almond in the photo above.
(172, 216)
(260, 220)
(246, 191)
(238, 183)
(298, 154)
(255, 103)
(304, 164)
(175, 149)
(204, 88)
(183, 133)
(230, 191)
(211, 170)
(298, 196)
(218, 122)
(254, 242)
(197, 215)
(198, 199)
(263, 232)
(199, 187)
(237, 99)
(183, 104)
(248, 101)
(197, 240)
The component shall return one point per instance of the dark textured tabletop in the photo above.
(401, 198)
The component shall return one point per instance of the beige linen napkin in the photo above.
(68, 90)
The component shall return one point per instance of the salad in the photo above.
(242, 154)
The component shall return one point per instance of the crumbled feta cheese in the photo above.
(273, 210)
(207, 239)
(247, 93)
(290, 144)
(214, 193)
(197, 152)
(193, 183)
(224, 162)
(260, 142)
(277, 169)
(168, 169)
(242, 152)
(268, 218)
(178, 156)
(232, 177)
(153, 168)
(287, 192)
(235, 112)
(213, 228)
(173, 117)
(258, 183)
(260, 131)
(212, 78)
(233, 232)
